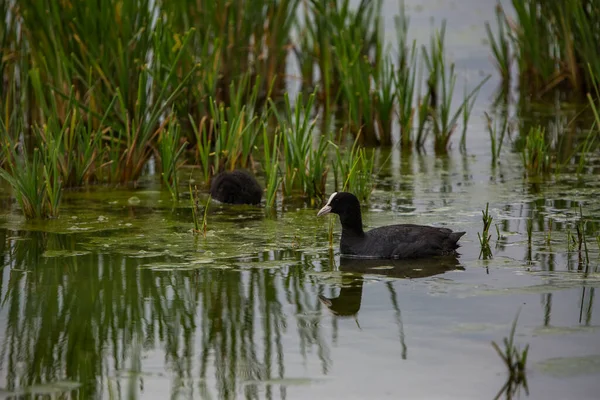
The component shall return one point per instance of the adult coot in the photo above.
(236, 187)
(392, 241)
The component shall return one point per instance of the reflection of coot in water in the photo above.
(236, 187)
(348, 301)
(392, 241)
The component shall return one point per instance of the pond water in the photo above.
(117, 299)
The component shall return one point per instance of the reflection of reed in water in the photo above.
(92, 318)
(348, 301)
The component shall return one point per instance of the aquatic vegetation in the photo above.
(34, 180)
(343, 40)
(500, 46)
(406, 80)
(108, 110)
(273, 177)
(536, 154)
(515, 360)
(227, 129)
(353, 170)
(194, 205)
(304, 166)
(205, 217)
(497, 135)
(76, 135)
(170, 150)
(553, 45)
(485, 236)
(330, 227)
(441, 82)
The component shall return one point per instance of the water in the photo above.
(117, 299)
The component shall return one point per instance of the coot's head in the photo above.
(341, 203)
(347, 206)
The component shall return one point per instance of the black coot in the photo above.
(236, 187)
(392, 241)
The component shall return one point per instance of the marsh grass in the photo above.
(497, 134)
(331, 226)
(405, 79)
(536, 155)
(344, 41)
(78, 141)
(35, 185)
(356, 73)
(304, 165)
(515, 361)
(441, 83)
(553, 43)
(273, 177)
(500, 46)
(170, 149)
(353, 170)
(205, 217)
(485, 236)
(194, 201)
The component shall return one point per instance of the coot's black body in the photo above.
(236, 187)
(392, 241)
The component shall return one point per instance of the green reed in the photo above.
(76, 132)
(353, 170)
(500, 46)
(194, 202)
(384, 101)
(536, 155)
(170, 150)
(356, 72)
(552, 43)
(441, 83)
(485, 236)
(242, 36)
(271, 167)
(515, 361)
(203, 146)
(305, 165)
(34, 179)
(226, 132)
(341, 39)
(330, 227)
(205, 217)
(405, 78)
(497, 134)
